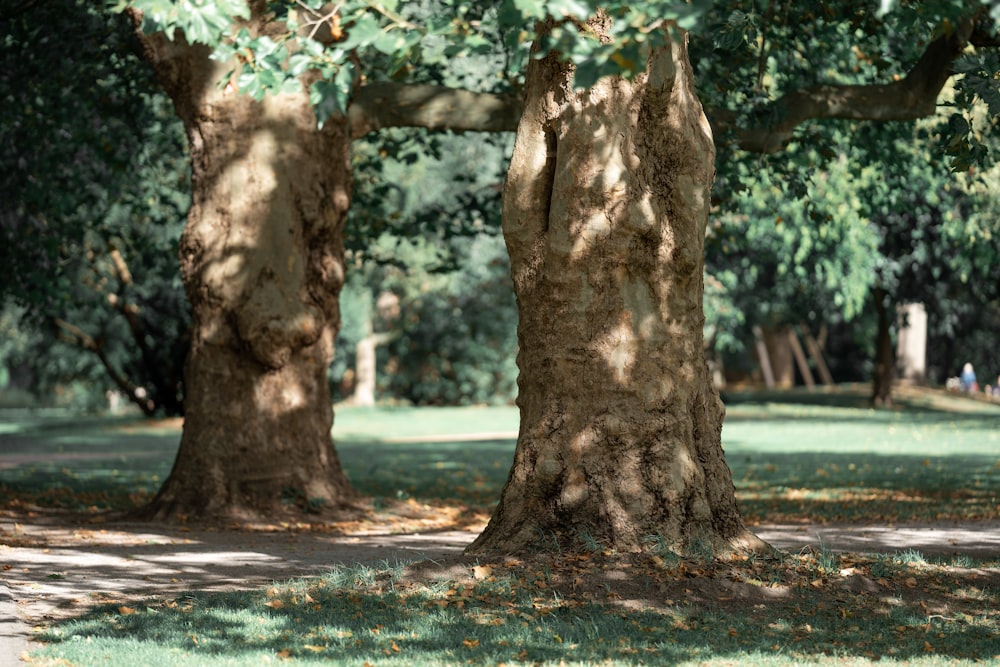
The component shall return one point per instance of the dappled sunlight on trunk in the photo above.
(262, 263)
(620, 425)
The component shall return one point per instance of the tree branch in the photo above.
(914, 96)
(74, 335)
(382, 105)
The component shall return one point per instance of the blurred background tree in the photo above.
(93, 194)
(852, 216)
(425, 231)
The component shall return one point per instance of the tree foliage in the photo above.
(424, 228)
(750, 58)
(95, 190)
(785, 255)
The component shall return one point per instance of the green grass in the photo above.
(825, 456)
(366, 424)
(832, 458)
(799, 455)
(358, 616)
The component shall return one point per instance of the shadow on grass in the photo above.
(815, 456)
(470, 472)
(84, 463)
(774, 486)
(863, 487)
(692, 612)
(854, 404)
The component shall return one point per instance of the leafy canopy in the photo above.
(389, 37)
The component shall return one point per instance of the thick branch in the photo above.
(382, 105)
(914, 96)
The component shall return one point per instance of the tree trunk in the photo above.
(366, 371)
(262, 264)
(605, 207)
(885, 359)
(911, 346)
(779, 351)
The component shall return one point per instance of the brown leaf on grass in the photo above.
(275, 604)
(482, 572)
(470, 643)
(126, 611)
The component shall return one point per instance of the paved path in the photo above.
(54, 571)
(13, 631)
(978, 539)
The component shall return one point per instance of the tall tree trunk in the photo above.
(911, 343)
(605, 208)
(885, 358)
(780, 354)
(262, 264)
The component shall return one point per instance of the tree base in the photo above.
(279, 508)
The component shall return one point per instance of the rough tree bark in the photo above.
(605, 207)
(262, 264)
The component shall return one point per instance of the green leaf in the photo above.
(364, 31)
(330, 97)
(586, 75)
(390, 43)
(531, 9)
(573, 8)
(299, 63)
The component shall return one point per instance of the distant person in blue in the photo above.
(968, 379)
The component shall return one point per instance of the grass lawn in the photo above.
(795, 457)
(667, 612)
